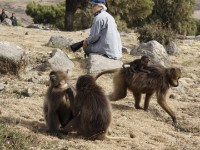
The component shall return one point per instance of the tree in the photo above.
(130, 11)
(71, 8)
(77, 14)
(175, 14)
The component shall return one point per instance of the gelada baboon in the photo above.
(139, 65)
(91, 109)
(159, 81)
(56, 106)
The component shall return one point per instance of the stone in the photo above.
(155, 51)
(60, 61)
(13, 59)
(97, 63)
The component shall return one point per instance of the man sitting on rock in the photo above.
(104, 38)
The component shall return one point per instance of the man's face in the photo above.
(94, 8)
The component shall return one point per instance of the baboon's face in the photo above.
(58, 78)
(174, 75)
(145, 61)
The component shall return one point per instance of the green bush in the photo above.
(47, 14)
(155, 32)
(175, 14)
(20, 24)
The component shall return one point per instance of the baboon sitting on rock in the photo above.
(159, 82)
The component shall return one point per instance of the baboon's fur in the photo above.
(56, 106)
(158, 81)
(91, 109)
(138, 65)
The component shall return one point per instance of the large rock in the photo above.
(13, 59)
(7, 22)
(60, 61)
(97, 63)
(36, 26)
(155, 51)
(60, 41)
(198, 37)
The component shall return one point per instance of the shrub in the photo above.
(47, 14)
(156, 32)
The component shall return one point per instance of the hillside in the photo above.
(19, 7)
(152, 129)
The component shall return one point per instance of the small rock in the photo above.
(172, 96)
(28, 92)
(34, 80)
(125, 50)
(2, 86)
(41, 119)
(132, 135)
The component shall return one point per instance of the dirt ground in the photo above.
(152, 129)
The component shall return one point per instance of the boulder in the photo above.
(60, 41)
(7, 22)
(197, 37)
(35, 26)
(13, 59)
(60, 61)
(172, 48)
(97, 63)
(154, 50)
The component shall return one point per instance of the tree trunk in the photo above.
(69, 14)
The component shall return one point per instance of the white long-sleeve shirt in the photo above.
(104, 37)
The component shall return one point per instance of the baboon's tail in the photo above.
(107, 71)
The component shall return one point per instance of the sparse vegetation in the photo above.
(156, 32)
(13, 139)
